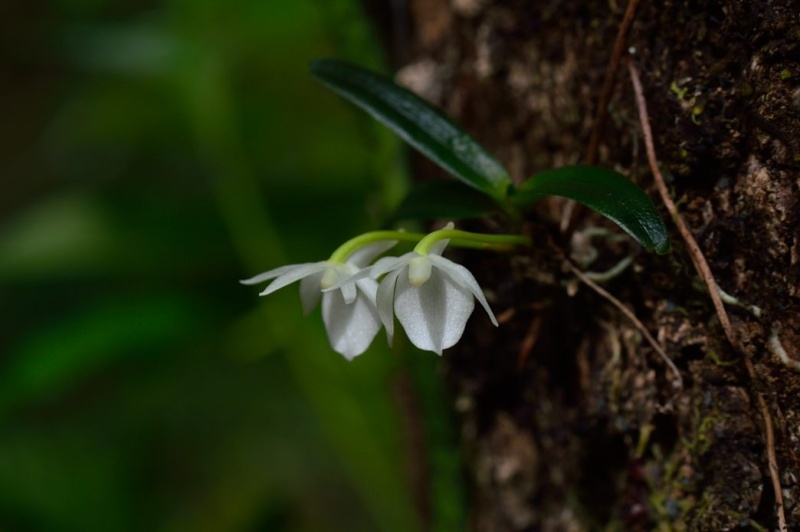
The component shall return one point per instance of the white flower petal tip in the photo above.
(348, 297)
(434, 314)
(462, 276)
(352, 326)
(432, 298)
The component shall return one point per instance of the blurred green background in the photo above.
(153, 153)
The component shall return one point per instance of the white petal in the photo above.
(387, 264)
(352, 278)
(462, 276)
(438, 247)
(351, 327)
(364, 255)
(271, 274)
(369, 288)
(385, 302)
(349, 292)
(345, 277)
(435, 313)
(310, 291)
(295, 274)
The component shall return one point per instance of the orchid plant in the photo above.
(432, 296)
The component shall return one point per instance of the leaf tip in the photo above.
(663, 247)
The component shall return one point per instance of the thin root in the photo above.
(601, 277)
(678, 382)
(733, 301)
(529, 341)
(602, 105)
(774, 344)
(608, 83)
(704, 270)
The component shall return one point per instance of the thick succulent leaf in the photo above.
(607, 192)
(416, 122)
(450, 200)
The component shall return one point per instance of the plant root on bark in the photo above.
(704, 270)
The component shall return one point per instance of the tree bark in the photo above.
(569, 419)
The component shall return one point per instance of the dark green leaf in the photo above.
(416, 122)
(607, 192)
(443, 199)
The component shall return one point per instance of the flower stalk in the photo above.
(458, 238)
(345, 250)
(466, 239)
(430, 295)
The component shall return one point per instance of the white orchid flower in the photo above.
(350, 312)
(432, 297)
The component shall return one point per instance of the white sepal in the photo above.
(435, 313)
(352, 326)
(432, 296)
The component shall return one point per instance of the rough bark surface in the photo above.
(568, 418)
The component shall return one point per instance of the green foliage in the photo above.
(445, 143)
(54, 357)
(607, 192)
(152, 156)
(141, 388)
(418, 123)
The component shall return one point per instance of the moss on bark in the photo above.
(583, 430)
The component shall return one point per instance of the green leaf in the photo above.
(56, 357)
(443, 199)
(416, 122)
(607, 192)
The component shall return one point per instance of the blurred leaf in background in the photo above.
(153, 153)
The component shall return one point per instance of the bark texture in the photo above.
(568, 418)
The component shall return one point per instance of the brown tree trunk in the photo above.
(569, 419)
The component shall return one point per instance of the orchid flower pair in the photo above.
(431, 296)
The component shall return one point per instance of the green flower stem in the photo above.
(342, 252)
(471, 240)
(462, 239)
